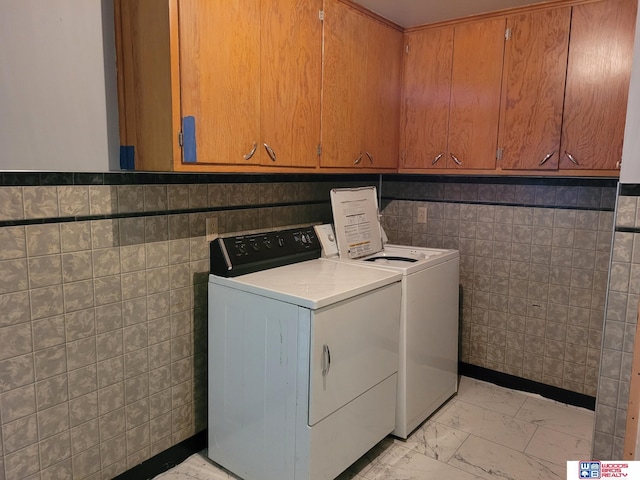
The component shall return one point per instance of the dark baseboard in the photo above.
(523, 384)
(167, 459)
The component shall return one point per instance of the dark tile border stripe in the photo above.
(167, 459)
(149, 178)
(627, 229)
(499, 204)
(504, 180)
(35, 179)
(523, 384)
(630, 190)
(114, 216)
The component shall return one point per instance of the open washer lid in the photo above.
(357, 221)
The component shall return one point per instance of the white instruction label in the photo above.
(355, 216)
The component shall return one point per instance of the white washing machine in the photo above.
(428, 368)
(303, 357)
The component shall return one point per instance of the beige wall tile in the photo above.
(16, 372)
(20, 433)
(54, 449)
(40, 202)
(15, 308)
(52, 391)
(85, 436)
(15, 340)
(113, 454)
(103, 200)
(83, 409)
(73, 201)
(50, 362)
(13, 276)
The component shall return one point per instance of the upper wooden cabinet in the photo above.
(211, 85)
(478, 49)
(533, 89)
(426, 96)
(563, 100)
(451, 88)
(360, 90)
(598, 73)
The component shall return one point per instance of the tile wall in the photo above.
(103, 315)
(619, 331)
(534, 265)
(103, 299)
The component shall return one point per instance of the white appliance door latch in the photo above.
(326, 360)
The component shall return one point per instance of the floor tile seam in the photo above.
(380, 459)
(444, 425)
(448, 427)
(503, 415)
(489, 409)
(531, 438)
(415, 452)
(484, 440)
(556, 430)
(480, 435)
(545, 460)
(453, 455)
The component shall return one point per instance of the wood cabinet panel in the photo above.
(533, 89)
(381, 134)
(290, 80)
(426, 94)
(344, 85)
(598, 73)
(475, 94)
(146, 112)
(219, 77)
(361, 90)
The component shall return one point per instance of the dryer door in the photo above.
(354, 346)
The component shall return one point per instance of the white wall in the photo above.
(58, 95)
(630, 171)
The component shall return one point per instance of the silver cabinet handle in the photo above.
(435, 160)
(544, 160)
(253, 150)
(454, 158)
(270, 151)
(619, 164)
(358, 160)
(370, 157)
(571, 158)
(326, 360)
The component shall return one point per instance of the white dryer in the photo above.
(428, 363)
(303, 357)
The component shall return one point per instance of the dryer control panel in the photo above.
(241, 254)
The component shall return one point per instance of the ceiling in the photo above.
(410, 13)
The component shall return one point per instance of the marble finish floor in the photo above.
(485, 432)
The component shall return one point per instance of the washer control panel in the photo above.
(241, 254)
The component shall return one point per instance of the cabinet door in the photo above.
(290, 80)
(149, 117)
(598, 71)
(533, 89)
(381, 135)
(426, 93)
(220, 78)
(475, 94)
(343, 85)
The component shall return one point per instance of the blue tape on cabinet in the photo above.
(127, 157)
(189, 154)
